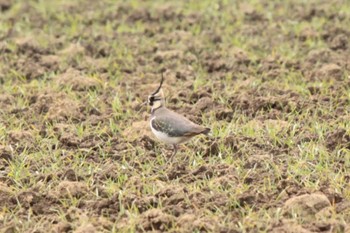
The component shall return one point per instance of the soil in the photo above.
(62, 83)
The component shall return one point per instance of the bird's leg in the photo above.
(174, 151)
(172, 155)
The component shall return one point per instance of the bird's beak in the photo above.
(140, 106)
(143, 103)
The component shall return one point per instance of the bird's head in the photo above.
(156, 99)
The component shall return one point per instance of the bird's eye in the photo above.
(151, 100)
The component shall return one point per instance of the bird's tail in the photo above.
(206, 131)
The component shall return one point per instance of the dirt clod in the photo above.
(338, 138)
(155, 219)
(71, 189)
(340, 41)
(50, 62)
(5, 5)
(73, 50)
(77, 81)
(5, 194)
(88, 228)
(57, 107)
(203, 104)
(330, 71)
(306, 205)
(286, 226)
(23, 137)
(162, 56)
(61, 227)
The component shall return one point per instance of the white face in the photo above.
(154, 101)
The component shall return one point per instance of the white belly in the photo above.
(166, 139)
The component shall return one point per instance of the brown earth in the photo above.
(60, 82)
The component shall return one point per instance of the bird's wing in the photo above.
(177, 125)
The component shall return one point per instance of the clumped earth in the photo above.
(271, 79)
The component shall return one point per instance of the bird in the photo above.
(168, 126)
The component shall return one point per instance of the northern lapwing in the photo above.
(169, 126)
